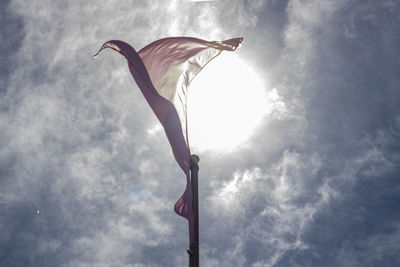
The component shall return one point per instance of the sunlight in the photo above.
(226, 102)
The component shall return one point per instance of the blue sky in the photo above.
(85, 181)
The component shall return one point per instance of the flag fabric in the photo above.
(163, 71)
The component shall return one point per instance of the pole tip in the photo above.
(194, 159)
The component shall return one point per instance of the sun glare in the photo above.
(226, 102)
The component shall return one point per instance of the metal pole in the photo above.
(194, 247)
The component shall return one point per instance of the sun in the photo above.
(226, 102)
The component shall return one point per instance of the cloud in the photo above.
(315, 185)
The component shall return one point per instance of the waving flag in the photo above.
(163, 71)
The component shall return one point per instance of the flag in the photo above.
(163, 71)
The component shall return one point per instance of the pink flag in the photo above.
(163, 71)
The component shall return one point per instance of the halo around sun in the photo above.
(226, 103)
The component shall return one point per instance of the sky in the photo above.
(87, 177)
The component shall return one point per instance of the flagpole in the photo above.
(194, 247)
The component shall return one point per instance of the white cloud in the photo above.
(79, 142)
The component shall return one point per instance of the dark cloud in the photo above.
(11, 36)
